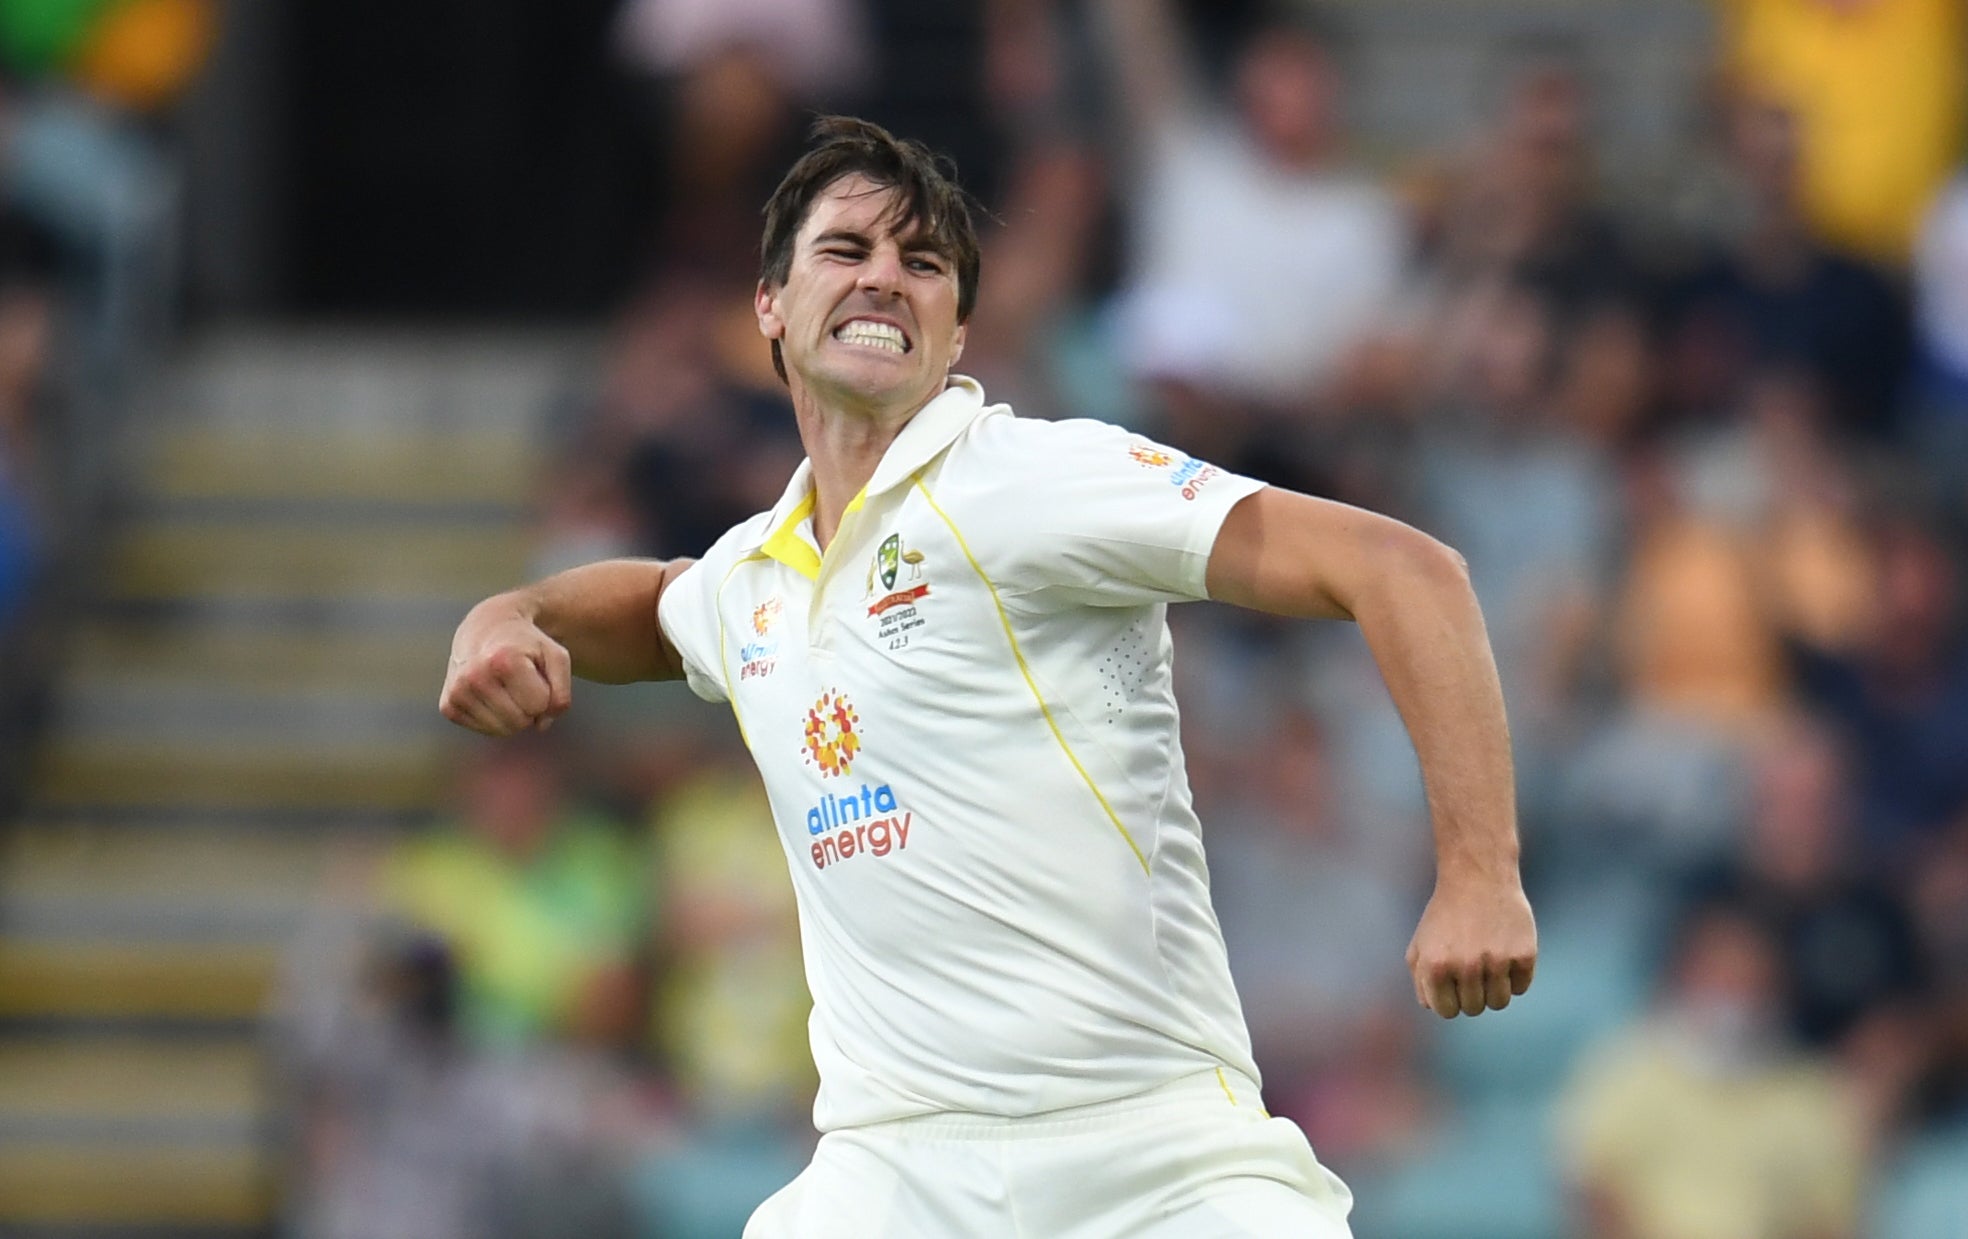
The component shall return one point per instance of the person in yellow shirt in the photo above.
(1877, 87)
(543, 906)
(1703, 1123)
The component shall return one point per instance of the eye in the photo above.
(846, 253)
(927, 266)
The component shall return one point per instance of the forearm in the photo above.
(1291, 554)
(1476, 946)
(1421, 620)
(603, 613)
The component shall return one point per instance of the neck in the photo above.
(845, 444)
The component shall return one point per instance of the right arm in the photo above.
(515, 655)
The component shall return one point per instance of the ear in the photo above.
(957, 343)
(765, 303)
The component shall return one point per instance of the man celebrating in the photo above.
(946, 650)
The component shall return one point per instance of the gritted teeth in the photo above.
(872, 334)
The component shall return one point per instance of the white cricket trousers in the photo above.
(1195, 1159)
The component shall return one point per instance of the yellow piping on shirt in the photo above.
(724, 661)
(1225, 1082)
(1025, 670)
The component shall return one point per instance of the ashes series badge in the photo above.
(895, 612)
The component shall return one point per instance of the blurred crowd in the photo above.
(1706, 454)
(88, 232)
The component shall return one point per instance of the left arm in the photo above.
(1290, 554)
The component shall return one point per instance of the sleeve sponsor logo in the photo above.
(1188, 476)
(766, 614)
(758, 658)
(1191, 476)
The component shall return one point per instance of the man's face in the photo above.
(867, 317)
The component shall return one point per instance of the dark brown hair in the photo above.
(929, 201)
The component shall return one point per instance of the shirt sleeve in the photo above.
(1107, 517)
(688, 614)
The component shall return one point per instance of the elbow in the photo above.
(1431, 561)
(1422, 572)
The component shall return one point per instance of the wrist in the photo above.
(518, 606)
(1493, 869)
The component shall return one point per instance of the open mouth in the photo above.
(870, 333)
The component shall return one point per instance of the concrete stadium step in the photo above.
(65, 980)
(275, 658)
(327, 713)
(381, 382)
(76, 774)
(109, 1087)
(205, 559)
(205, 463)
(93, 1189)
(187, 884)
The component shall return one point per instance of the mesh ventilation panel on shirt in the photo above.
(1124, 669)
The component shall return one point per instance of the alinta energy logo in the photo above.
(867, 821)
(766, 614)
(830, 736)
(1188, 477)
(757, 658)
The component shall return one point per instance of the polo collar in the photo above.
(934, 427)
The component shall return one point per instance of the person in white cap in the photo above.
(946, 650)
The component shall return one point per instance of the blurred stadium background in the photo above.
(319, 321)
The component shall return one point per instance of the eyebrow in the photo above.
(919, 243)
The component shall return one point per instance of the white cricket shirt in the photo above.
(964, 719)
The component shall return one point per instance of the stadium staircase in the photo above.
(253, 678)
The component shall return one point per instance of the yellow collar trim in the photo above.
(785, 544)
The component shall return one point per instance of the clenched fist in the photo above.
(506, 676)
(1475, 949)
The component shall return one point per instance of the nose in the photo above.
(881, 275)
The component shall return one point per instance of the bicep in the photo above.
(1290, 554)
(669, 659)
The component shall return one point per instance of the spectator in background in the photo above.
(1523, 205)
(38, 502)
(403, 1131)
(1745, 547)
(1940, 295)
(1517, 209)
(1286, 869)
(1847, 940)
(1025, 337)
(1703, 1122)
(1938, 894)
(26, 501)
(1901, 697)
(1775, 296)
(400, 1136)
(1261, 263)
(544, 907)
(689, 427)
(731, 79)
(80, 157)
(1529, 500)
(731, 1008)
(1876, 90)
